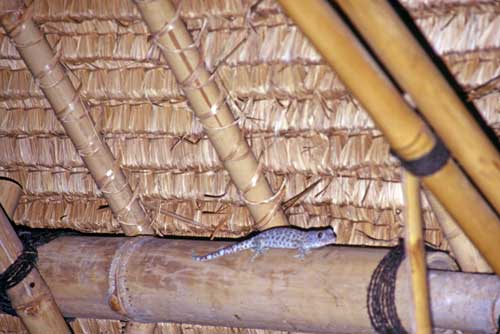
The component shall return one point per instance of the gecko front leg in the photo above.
(303, 251)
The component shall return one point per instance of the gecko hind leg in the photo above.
(257, 252)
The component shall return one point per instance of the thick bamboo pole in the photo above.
(31, 298)
(65, 100)
(404, 130)
(435, 98)
(209, 104)
(416, 254)
(466, 254)
(155, 280)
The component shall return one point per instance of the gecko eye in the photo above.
(320, 235)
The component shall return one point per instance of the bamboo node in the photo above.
(168, 26)
(66, 114)
(275, 198)
(188, 84)
(240, 150)
(19, 26)
(108, 180)
(214, 108)
(193, 46)
(255, 177)
(48, 69)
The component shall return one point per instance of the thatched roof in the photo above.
(298, 118)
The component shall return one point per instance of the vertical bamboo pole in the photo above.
(65, 100)
(31, 298)
(209, 104)
(435, 98)
(416, 254)
(467, 256)
(405, 131)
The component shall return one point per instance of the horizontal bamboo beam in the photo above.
(414, 70)
(149, 279)
(405, 131)
(53, 80)
(31, 298)
(209, 104)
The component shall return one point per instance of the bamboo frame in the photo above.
(53, 80)
(159, 282)
(209, 104)
(31, 298)
(416, 254)
(404, 130)
(435, 98)
(467, 256)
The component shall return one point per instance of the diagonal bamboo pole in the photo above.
(407, 134)
(65, 100)
(466, 254)
(435, 98)
(208, 103)
(416, 254)
(31, 298)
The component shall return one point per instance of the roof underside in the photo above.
(299, 119)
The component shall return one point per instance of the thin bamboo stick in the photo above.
(325, 293)
(404, 130)
(65, 100)
(209, 104)
(416, 254)
(31, 298)
(467, 256)
(435, 98)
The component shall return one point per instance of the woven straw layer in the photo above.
(296, 114)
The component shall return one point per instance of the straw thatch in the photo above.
(298, 116)
(299, 119)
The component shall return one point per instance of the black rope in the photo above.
(429, 163)
(22, 266)
(381, 292)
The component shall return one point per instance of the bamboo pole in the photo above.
(435, 98)
(467, 256)
(10, 194)
(326, 292)
(416, 254)
(31, 298)
(404, 130)
(65, 100)
(209, 104)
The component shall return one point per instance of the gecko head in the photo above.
(321, 237)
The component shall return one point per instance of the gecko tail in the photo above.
(198, 257)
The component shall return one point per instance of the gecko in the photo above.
(278, 237)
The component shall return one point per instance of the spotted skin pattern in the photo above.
(278, 237)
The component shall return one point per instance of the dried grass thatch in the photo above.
(299, 119)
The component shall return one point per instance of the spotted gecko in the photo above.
(278, 237)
